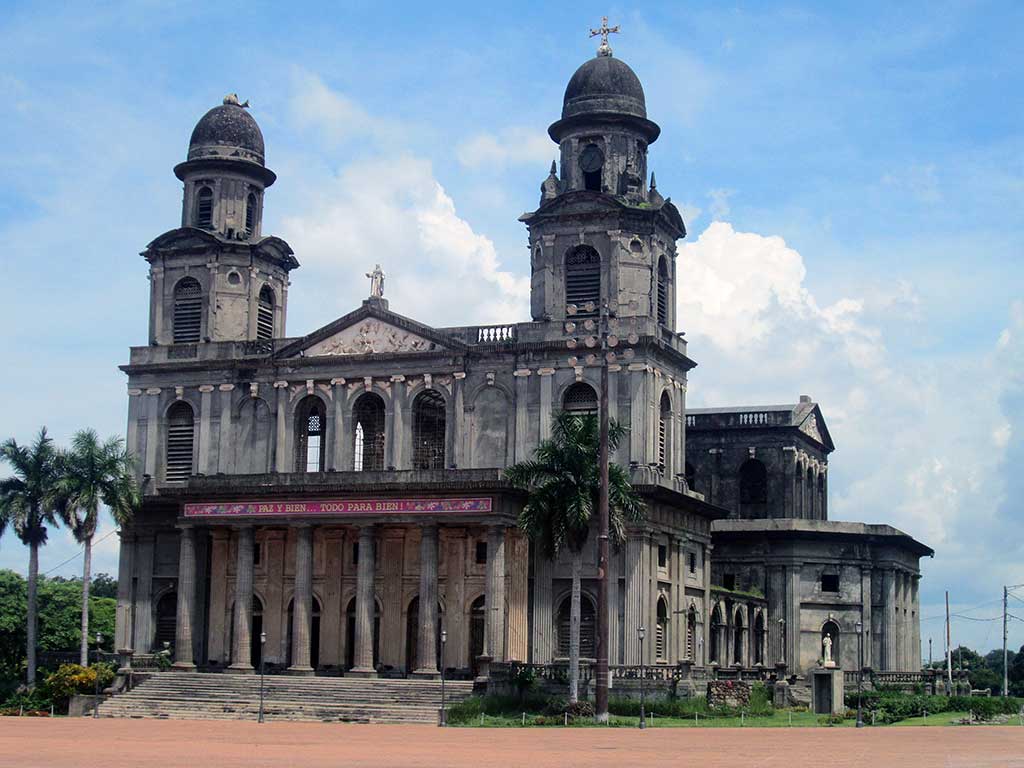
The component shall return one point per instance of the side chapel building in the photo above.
(343, 492)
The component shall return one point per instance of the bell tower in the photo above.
(602, 233)
(217, 277)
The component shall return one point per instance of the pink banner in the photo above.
(339, 507)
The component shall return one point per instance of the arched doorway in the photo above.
(661, 632)
(588, 627)
(350, 634)
(691, 633)
(412, 636)
(166, 619)
(738, 636)
(759, 639)
(255, 630)
(314, 632)
(716, 636)
(477, 627)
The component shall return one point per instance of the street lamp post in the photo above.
(602, 341)
(643, 715)
(442, 716)
(263, 664)
(96, 669)
(860, 673)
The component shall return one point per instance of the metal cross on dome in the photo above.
(604, 49)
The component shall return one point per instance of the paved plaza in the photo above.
(83, 743)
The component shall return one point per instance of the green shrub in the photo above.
(890, 706)
(70, 679)
(760, 701)
(28, 700)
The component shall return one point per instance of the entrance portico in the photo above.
(408, 565)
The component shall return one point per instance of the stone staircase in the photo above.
(217, 696)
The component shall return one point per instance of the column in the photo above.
(793, 619)
(426, 642)
(708, 607)
(545, 401)
(205, 398)
(275, 611)
(132, 439)
(216, 647)
(302, 604)
(123, 622)
(242, 652)
(282, 461)
(363, 657)
(677, 619)
(888, 661)
(865, 611)
(915, 606)
(460, 433)
(225, 447)
(186, 599)
(776, 611)
(455, 598)
(143, 609)
(637, 414)
(789, 483)
(494, 645)
(397, 433)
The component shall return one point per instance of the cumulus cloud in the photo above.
(331, 115)
(512, 146)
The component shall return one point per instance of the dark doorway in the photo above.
(477, 627)
(255, 646)
(166, 619)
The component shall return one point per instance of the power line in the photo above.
(79, 553)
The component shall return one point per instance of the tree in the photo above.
(94, 474)
(563, 482)
(28, 504)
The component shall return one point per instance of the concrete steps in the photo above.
(197, 696)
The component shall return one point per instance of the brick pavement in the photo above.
(83, 743)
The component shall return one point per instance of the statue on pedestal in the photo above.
(376, 282)
(826, 644)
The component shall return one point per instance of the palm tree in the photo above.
(563, 481)
(94, 473)
(28, 504)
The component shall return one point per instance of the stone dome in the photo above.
(227, 132)
(604, 85)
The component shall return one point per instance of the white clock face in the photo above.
(591, 158)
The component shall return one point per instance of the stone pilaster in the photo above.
(426, 639)
(865, 607)
(706, 564)
(135, 403)
(635, 553)
(456, 649)
(888, 662)
(241, 655)
(494, 644)
(186, 599)
(543, 630)
(143, 610)
(225, 449)
(123, 621)
(216, 638)
(915, 628)
(392, 643)
(460, 434)
(339, 434)
(396, 435)
(205, 433)
(516, 545)
(363, 656)
(677, 620)
(273, 568)
(302, 601)
(282, 457)
(522, 379)
(152, 430)
(545, 375)
(331, 626)
(793, 618)
(776, 611)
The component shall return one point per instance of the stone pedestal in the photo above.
(827, 691)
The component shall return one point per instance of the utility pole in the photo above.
(949, 649)
(929, 653)
(1006, 678)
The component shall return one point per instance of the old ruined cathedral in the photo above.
(340, 496)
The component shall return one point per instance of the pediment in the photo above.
(370, 337)
(813, 425)
(184, 238)
(371, 330)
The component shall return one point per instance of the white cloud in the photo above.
(719, 207)
(512, 146)
(334, 117)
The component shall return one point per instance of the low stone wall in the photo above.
(83, 704)
(728, 693)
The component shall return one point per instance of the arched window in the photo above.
(580, 398)
(350, 634)
(204, 208)
(265, 313)
(591, 162)
(250, 214)
(716, 635)
(180, 439)
(753, 488)
(664, 425)
(691, 476)
(314, 632)
(188, 310)
(428, 430)
(738, 636)
(759, 639)
(368, 417)
(662, 291)
(310, 423)
(661, 632)
(588, 628)
(691, 633)
(583, 280)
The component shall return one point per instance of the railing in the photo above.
(738, 419)
(558, 672)
(495, 334)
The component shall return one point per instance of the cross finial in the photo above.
(604, 49)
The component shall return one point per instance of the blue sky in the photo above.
(851, 175)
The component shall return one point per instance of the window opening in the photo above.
(368, 415)
(481, 553)
(310, 426)
(583, 279)
(180, 434)
(188, 311)
(428, 430)
(204, 208)
(265, 314)
(662, 291)
(662, 556)
(588, 633)
(729, 581)
(663, 425)
(829, 582)
(580, 398)
(661, 632)
(250, 214)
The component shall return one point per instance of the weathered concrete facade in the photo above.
(332, 501)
